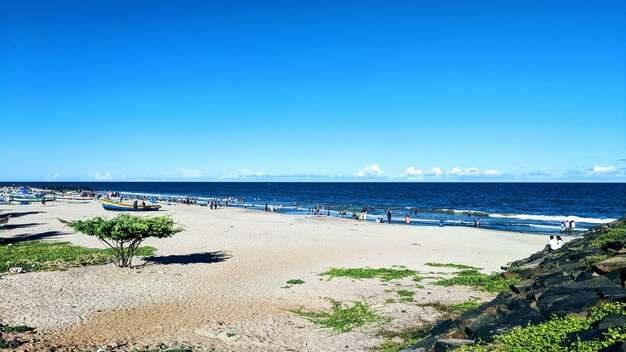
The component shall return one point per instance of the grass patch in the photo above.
(396, 340)
(552, 335)
(588, 261)
(474, 278)
(230, 334)
(342, 318)
(614, 234)
(405, 293)
(470, 304)
(50, 256)
(15, 329)
(292, 282)
(451, 265)
(384, 274)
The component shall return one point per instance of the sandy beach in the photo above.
(220, 284)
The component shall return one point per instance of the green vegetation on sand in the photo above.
(342, 318)
(384, 274)
(50, 256)
(474, 278)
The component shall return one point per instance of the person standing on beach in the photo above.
(572, 227)
(266, 207)
(407, 219)
(388, 216)
(475, 223)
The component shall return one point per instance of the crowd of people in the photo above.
(568, 226)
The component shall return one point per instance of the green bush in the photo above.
(125, 233)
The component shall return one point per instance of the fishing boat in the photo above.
(4, 220)
(109, 205)
(31, 198)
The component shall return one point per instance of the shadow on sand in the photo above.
(20, 214)
(207, 258)
(30, 237)
(20, 226)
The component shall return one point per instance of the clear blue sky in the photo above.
(313, 90)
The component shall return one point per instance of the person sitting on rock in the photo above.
(559, 242)
(553, 244)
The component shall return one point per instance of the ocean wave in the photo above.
(556, 218)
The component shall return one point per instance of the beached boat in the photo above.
(108, 205)
(31, 198)
(4, 220)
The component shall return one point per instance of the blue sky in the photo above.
(313, 90)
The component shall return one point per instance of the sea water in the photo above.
(525, 207)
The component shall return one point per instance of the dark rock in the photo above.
(563, 300)
(616, 245)
(617, 276)
(610, 321)
(485, 330)
(509, 275)
(522, 286)
(612, 293)
(586, 335)
(610, 264)
(594, 282)
(445, 345)
(584, 276)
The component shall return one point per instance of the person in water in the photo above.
(441, 223)
(407, 219)
(388, 216)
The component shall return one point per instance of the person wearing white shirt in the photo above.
(553, 244)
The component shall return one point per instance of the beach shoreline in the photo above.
(226, 273)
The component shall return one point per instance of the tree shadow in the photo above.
(24, 213)
(20, 226)
(206, 258)
(31, 237)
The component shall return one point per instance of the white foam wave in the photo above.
(557, 218)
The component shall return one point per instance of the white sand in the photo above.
(197, 302)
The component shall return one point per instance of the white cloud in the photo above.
(436, 171)
(492, 172)
(55, 176)
(372, 170)
(191, 173)
(413, 172)
(602, 169)
(106, 176)
(246, 174)
(463, 172)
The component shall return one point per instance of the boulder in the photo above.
(610, 264)
(610, 321)
(485, 330)
(612, 293)
(522, 286)
(445, 345)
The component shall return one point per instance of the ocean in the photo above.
(522, 207)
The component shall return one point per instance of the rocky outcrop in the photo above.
(583, 274)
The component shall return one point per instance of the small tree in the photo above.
(125, 233)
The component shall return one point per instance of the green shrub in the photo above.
(614, 234)
(125, 233)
